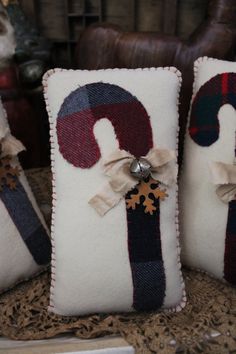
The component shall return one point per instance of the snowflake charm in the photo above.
(145, 189)
(8, 174)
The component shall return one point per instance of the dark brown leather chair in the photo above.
(107, 46)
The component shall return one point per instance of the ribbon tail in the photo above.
(116, 161)
(166, 174)
(226, 192)
(105, 200)
(164, 168)
(159, 157)
(223, 173)
(224, 177)
(11, 146)
(4, 131)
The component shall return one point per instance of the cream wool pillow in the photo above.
(24, 243)
(208, 179)
(127, 257)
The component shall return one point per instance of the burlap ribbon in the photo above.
(121, 181)
(224, 177)
(9, 145)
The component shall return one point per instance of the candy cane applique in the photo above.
(78, 114)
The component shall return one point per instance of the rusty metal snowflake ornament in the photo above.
(146, 189)
(8, 174)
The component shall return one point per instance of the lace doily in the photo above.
(206, 325)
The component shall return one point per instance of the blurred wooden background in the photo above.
(62, 20)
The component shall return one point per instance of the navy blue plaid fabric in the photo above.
(204, 123)
(145, 255)
(27, 223)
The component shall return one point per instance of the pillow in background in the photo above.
(208, 179)
(24, 242)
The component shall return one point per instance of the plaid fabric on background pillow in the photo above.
(208, 179)
(25, 247)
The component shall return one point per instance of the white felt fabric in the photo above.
(92, 268)
(16, 262)
(203, 217)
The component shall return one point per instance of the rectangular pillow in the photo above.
(123, 256)
(24, 242)
(208, 179)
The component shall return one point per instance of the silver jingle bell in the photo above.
(140, 168)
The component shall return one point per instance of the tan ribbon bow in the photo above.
(224, 177)
(9, 145)
(121, 181)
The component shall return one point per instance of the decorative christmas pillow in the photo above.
(115, 223)
(24, 243)
(208, 182)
